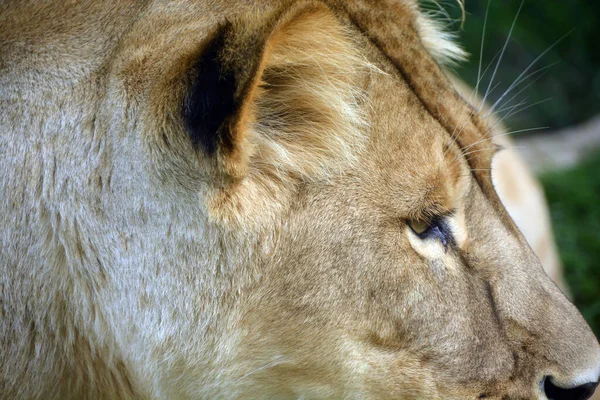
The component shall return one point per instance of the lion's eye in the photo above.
(418, 227)
(434, 229)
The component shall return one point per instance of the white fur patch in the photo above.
(437, 39)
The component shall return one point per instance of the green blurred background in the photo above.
(568, 89)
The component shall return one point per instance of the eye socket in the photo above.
(434, 229)
(418, 227)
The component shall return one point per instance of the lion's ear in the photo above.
(279, 93)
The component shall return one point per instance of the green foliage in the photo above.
(571, 86)
(574, 198)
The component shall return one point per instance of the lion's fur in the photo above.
(138, 263)
(439, 41)
(520, 192)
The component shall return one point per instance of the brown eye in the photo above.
(435, 229)
(419, 227)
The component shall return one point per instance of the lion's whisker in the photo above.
(508, 114)
(515, 112)
(543, 72)
(511, 87)
(471, 152)
(511, 108)
(458, 131)
(456, 134)
(512, 27)
(486, 149)
(459, 128)
(479, 77)
(493, 148)
(498, 136)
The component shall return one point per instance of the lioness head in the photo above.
(223, 199)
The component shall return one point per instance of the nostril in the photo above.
(582, 392)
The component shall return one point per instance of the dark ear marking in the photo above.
(222, 78)
(249, 94)
(210, 99)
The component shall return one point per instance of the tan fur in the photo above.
(524, 199)
(283, 266)
(521, 193)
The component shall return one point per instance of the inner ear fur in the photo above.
(279, 96)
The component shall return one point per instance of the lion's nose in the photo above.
(582, 392)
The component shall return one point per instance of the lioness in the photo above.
(259, 199)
